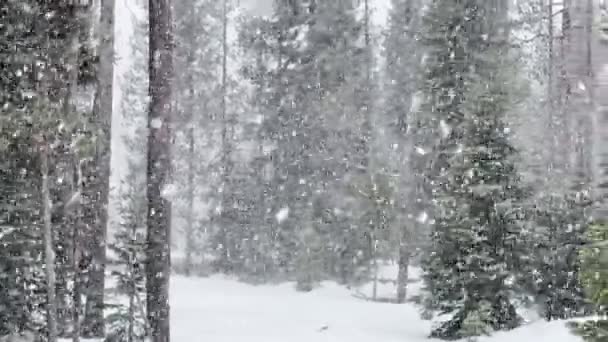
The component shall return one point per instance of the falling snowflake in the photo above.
(422, 217)
(420, 150)
(156, 123)
(581, 86)
(282, 214)
(445, 129)
(168, 191)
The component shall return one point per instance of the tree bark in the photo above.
(225, 162)
(93, 325)
(48, 245)
(190, 238)
(366, 129)
(578, 97)
(600, 120)
(190, 245)
(158, 265)
(403, 263)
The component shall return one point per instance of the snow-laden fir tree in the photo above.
(472, 262)
(558, 232)
(198, 66)
(126, 320)
(43, 137)
(308, 80)
(21, 249)
(594, 276)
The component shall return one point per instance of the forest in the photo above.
(432, 169)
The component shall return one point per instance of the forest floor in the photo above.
(218, 309)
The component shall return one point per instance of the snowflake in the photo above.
(282, 214)
(156, 123)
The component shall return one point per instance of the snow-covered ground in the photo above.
(218, 309)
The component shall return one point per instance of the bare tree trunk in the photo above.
(225, 123)
(78, 257)
(553, 145)
(403, 263)
(93, 325)
(374, 268)
(366, 131)
(76, 293)
(77, 223)
(600, 120)
(132, 294)
(190, 245)
(158, 252)
(190, 238)
(226, 146)
(48, 244)
(578, 106)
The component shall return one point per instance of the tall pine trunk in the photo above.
(78, 218)
(404, 24)
(49, 251)
(158, 266)
(190, 245)
(578, 79)
(225, 161)
(600, 120)
(192, 163)
(403, 264)
(366, 130)
(93, 324)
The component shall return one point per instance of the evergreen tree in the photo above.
(127, 320)
(474, 254)
(558, 233)
(594, 276)
(198, 73)
(309, 79)
(43, 135)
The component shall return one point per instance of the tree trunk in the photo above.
(225, 162)
(77, 221)
(93, 325)
(190, 245)
(578, 76)
(192, 162)
(553, 147)
(404, 263)
(158, 265)
(48, 245)
(131, 309)
(78, 257)
(600, 119)
(366, 129)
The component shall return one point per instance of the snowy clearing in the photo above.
(218, 309)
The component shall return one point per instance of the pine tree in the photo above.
(198, 69)
(594, 276)
(40, 125)
(127, 320)
(376, 215)
(559, 232)
(474, 252)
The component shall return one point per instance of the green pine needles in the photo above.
(471, 267)
(594, 276)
